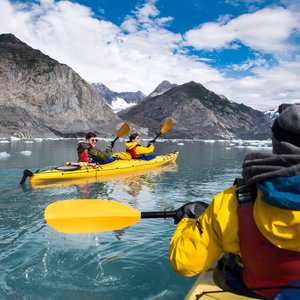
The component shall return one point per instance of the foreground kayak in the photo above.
(107, 171)
(205, 288)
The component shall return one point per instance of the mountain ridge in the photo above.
(118, 101)
(40, 97)
(200, 113)
(47, 98)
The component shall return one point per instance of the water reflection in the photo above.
(37, 262)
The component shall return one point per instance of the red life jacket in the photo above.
(83, 156)
(265, 265)
(132, 152)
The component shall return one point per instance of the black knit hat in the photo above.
(286, 130)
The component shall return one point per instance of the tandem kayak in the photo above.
(205, 288)
(77, 174)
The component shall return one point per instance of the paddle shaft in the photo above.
(116, 139)
(158, 214)
(122, 131)
(167, 126)
(156, 137)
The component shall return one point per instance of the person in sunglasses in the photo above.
(256, 222)
(89, 153)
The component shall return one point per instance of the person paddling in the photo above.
(256, 220)
(89, 153)
(137, 151)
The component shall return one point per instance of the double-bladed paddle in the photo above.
(94, 215)
(167, 126)
(124, 129)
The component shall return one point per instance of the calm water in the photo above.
(38, 263)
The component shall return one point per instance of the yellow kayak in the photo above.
(205, 288)
(118, 168)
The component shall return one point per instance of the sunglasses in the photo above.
(94, 140)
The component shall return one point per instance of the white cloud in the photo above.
(265, 30)
(267, 88)
(142, 52)
(100, 51)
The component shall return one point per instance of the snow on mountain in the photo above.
(118, 104)
(118, 101)
(272, 113)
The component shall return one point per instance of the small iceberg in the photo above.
(4, 142)
(26, 152)
(14, 138)
(180, 144)
(209, 141)
(4, 155)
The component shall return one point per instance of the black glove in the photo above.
(112, 144)
(150, 143)
(191, 210)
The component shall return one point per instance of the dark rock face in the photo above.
(39, 97)
(200, 113)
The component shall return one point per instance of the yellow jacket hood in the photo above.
(280, 226)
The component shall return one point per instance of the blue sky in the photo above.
(245, 50)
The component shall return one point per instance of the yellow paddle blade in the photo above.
(167, 126)
(124, 129)
(90, 215)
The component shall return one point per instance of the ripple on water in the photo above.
(37, 262)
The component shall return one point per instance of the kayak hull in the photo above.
(117, 168)
(205, 288)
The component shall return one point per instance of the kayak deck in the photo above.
(105, 171)
(206, 289)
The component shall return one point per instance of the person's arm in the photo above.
(144, 150)
(99, 155)
(195, 246)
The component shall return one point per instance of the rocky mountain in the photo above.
(39, 97)
(199, 113)
(162, 88)
(118, 101)
(272, 113)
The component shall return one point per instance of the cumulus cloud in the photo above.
(265, 30)
(141, 52)
(138, 55)
(267, 88)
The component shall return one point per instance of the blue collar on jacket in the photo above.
(283, 192)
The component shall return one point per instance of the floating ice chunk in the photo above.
(28, 142)
(180, 144)
(14, 138)
(4, 142)
(4, 155)
(26, 152)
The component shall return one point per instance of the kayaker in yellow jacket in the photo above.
(267, 238)
(134, 148)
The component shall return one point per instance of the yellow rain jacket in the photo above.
(194, 248)
(139, 150)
